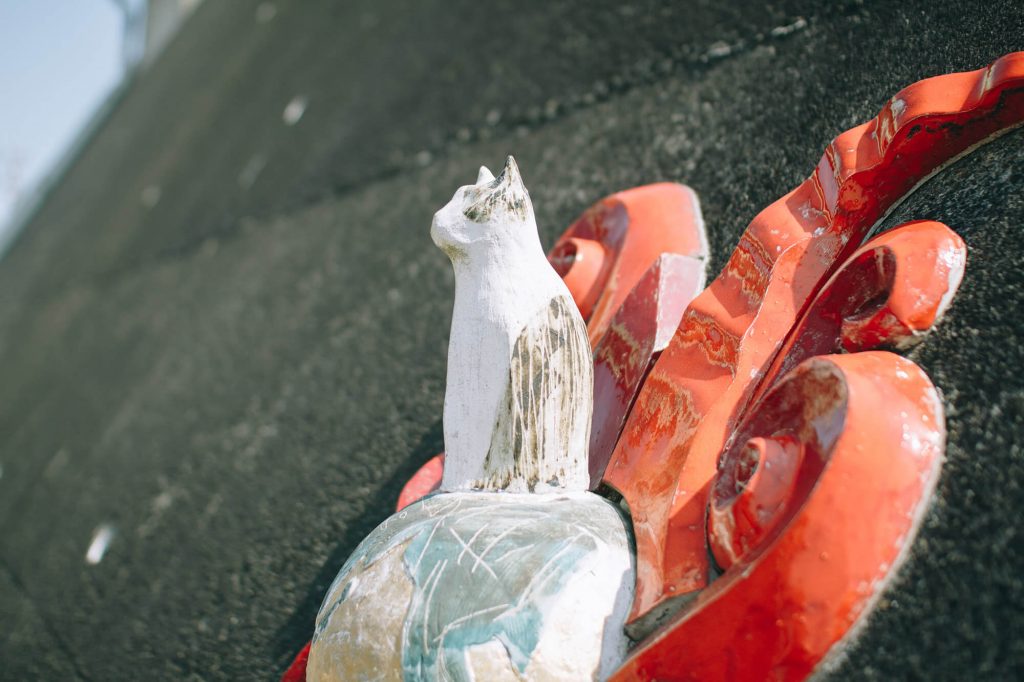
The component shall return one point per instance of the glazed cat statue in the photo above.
(513, 571)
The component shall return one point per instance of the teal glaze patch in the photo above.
(484, 574)
(484, 567)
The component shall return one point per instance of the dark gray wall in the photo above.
(241, 377)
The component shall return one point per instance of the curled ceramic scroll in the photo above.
(731, 334)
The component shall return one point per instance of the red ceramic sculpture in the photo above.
(747, 451)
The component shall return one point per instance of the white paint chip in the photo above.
(898, 106)
(294, 110)
(101, 538)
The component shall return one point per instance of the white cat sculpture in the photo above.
(520, 372)
(513, 571)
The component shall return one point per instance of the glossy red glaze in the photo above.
(425, 481)
(754, 496)
(730, 335)
(297, 670)
(890, 292)
(639, 331)
(634, 228)
(860, 491)
(581, 263)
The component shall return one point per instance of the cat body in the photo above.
(520, 374)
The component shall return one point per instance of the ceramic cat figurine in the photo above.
(520, 370)
(513, 571)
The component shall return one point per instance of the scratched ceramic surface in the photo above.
(482, 586)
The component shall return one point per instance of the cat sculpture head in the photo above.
(494, 212)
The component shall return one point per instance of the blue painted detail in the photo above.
(484, 567)
(485, 576)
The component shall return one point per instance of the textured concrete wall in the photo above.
(224, 335)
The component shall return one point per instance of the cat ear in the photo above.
(504, 198)
(484, 176)
(510, 175)
(512, 181)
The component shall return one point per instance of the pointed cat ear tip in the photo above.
(511, 170)
(484, 175)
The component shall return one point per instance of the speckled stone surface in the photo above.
(240, 378)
